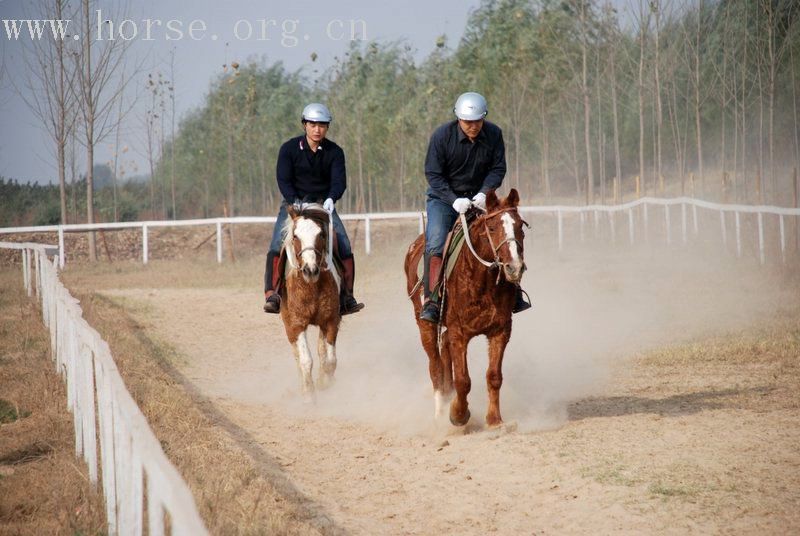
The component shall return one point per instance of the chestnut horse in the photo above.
(310, 292)
(479, 298)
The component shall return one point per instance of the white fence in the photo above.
(132, 461)
(643, 206)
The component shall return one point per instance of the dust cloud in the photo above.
(593, 308)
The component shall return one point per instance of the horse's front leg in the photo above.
(457, 352)
(326, 348)
(494, 375)
(302, 355)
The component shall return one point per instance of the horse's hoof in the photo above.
(325, 382)
(463, 422)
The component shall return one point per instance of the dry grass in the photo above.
(237, 490)
(749, 380)
(44, 488)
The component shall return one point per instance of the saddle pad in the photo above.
(456, 242)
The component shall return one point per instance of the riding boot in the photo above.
(347, 303)
(271, 277)
(430, 279)
(520, 303)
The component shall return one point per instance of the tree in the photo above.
(100, 81)
(46, 88)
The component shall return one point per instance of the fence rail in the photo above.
(131, 459)
(642, 205)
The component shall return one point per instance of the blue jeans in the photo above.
(345, 251)
(441, 217)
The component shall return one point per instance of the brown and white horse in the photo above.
(480, 296)
(310, 293)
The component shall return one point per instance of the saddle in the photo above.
(452, 249)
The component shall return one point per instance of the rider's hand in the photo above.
(479, 200)
(462, 204)
(298, 205)
(328, 205)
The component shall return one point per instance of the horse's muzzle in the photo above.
(513, 272)
(310, 274)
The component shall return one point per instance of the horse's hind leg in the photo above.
(494, 376)
(326, 348)
(302, 355)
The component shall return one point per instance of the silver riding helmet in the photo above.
(470, 106)
(317, 113)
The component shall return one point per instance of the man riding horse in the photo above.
(311, 169)
(465, 160)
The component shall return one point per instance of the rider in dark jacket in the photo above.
(311, 169)
(466, 158)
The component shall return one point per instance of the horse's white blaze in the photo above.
(508, 226)
(306, 231)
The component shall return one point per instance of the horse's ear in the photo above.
(513, 198)
(292, 211)
(491, 200)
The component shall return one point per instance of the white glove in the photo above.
(462, 204)
(328, 205)
(479, 200)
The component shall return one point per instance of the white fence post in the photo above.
(62, 256)
(694, 217)
(611, 217)
(723, 227)
(683, 222)
(145, 251)
(667, 224)
(761, 255)
(26, 265)
(421, 223)
(367, 243)
(219, 241)
(646, 222)
(783, 240)
(630, 224)
(560, 218)
(738, 236)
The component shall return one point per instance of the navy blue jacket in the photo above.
(456, 167)
(308, 176)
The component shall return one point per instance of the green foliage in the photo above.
(526, 58)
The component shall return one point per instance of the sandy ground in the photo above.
(603, 439)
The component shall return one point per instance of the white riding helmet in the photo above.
(317, 113)
(470, 107)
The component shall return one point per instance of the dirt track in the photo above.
(608, 440)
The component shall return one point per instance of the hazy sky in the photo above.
(320, 27)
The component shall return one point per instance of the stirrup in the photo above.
(273, 303)
(521, 304)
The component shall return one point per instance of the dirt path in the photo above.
(605, 441)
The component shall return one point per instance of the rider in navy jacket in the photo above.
(311, 169)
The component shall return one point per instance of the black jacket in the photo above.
(455, 167)
(308, 176)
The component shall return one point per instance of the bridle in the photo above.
(322, 259)
(497, 263)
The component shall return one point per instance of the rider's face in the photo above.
(316, 131)
(471, 128)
